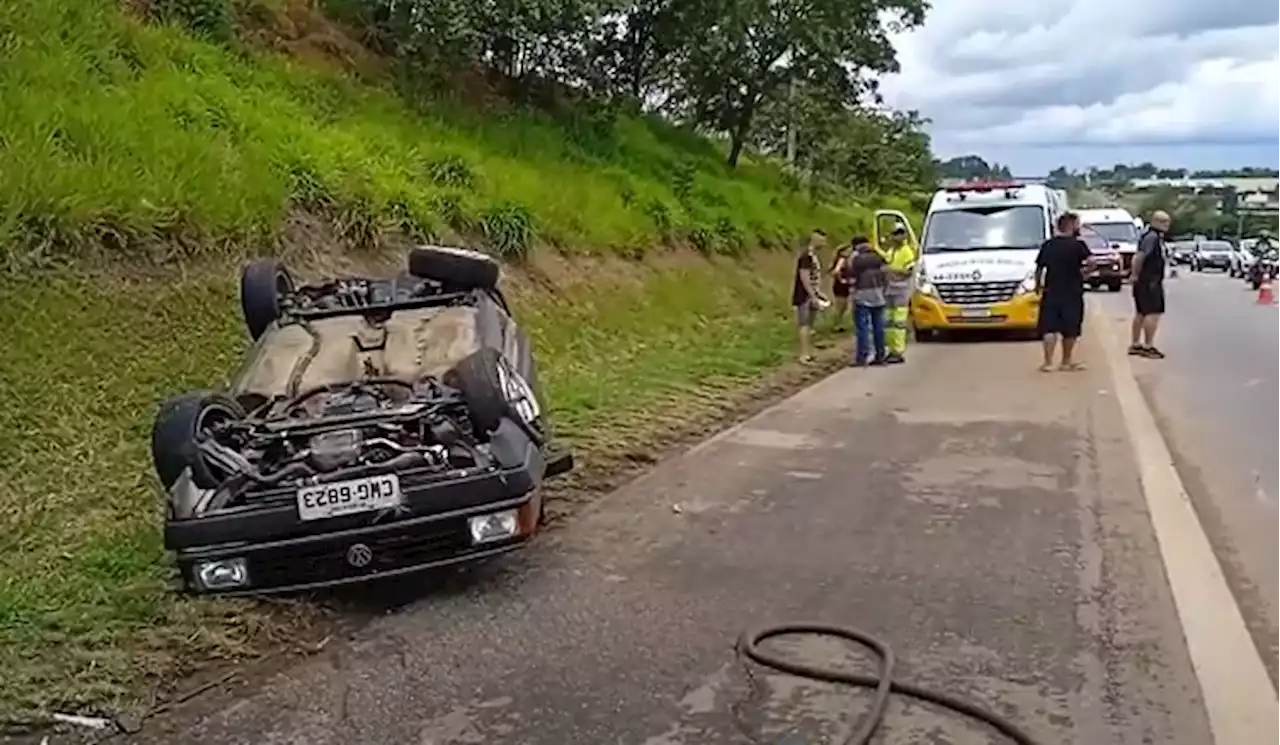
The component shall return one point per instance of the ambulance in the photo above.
(977, 261)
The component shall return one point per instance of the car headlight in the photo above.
(1028, 284)
(222, 574)
(923, 285)
(495, 526)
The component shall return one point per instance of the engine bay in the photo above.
(345, 431)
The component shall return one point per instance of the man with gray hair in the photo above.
(1147, 275)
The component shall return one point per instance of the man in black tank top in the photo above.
(1147, 275)
(806, 295)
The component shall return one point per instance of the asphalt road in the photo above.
(1217, 397)
(985, 519)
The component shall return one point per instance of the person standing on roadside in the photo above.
(806, 297)
(867, 278)
(839, 288)
(900, 261)
(1147, 275)
(1060, 270)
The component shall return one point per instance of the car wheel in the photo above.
(178, 423)
(459, 268)
(1115, 286)
(262, 284)
(493, 389)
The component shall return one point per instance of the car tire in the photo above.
(173, 435)
(479, 378)
(1115, 286)
(457, 268)
(262, 284)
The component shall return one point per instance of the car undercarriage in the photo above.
(369, 416)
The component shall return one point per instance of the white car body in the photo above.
(991, 264)
(1118, 226)
(978, 255)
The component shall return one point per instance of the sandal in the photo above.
(1072, 367)
(1046, 368)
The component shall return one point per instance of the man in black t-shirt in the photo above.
(1060, 269)
(806, 297)
(1148, 288)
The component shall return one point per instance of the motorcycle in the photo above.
(1264, 269)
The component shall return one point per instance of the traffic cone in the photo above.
(1265, 295)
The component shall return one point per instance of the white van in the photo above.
(1119, 227)
(978, 256)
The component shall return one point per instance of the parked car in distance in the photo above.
(1212, 255)
(1108, 269)
(1180, 252)
(1242, 258)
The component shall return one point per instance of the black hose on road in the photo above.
(883, 683)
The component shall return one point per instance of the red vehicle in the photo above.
(1108, 269)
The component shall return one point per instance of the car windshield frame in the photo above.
(1104, 229)
(1094, 240)
(1215, 247)
(1007, 227)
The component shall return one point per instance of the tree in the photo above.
(518, 39)
(744, 54)
(637, 45)
(971, 167)
(855, 147)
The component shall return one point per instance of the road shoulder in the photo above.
(987, 522)
(1237, 693)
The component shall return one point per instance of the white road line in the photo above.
(1239, 699)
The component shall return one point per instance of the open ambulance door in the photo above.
(886, 221)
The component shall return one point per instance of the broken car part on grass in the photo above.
(377, 427)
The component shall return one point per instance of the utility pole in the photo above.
(791, 122)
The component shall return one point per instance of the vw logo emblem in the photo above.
(977, 275)
(359, 555)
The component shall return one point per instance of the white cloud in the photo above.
(996, 76)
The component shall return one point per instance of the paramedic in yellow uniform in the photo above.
(900, 262)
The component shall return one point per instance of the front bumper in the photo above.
(1109, 272)
(928, 313)
(282, 553)
(1214, 262)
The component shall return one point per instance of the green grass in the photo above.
(120, 140)
(85, 616)
(143, 135)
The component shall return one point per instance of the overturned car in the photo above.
(377, 427)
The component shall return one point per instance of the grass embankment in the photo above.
(121, 142)
(85, 614)
(122, 134)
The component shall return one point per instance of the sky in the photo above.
(1179, 83)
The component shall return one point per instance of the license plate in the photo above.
(975, 312)
(348, 497)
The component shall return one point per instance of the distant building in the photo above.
(1252, 194)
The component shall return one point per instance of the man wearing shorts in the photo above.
(1060, 268)
(805, 296)
(1147, 275)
